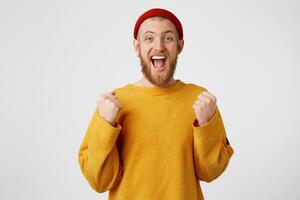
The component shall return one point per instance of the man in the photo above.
(156, 138)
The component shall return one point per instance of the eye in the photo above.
(169, 38)
(148, 39)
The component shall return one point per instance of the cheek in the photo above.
(173, 54)
(173, 50)
(144, 50)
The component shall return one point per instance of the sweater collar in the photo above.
(158, 90)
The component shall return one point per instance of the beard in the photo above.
(161, 79)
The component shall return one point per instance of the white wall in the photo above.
(57, 56)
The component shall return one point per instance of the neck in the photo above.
(146, 83)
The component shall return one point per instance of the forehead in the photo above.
(157, 25)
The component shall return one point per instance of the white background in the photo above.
(57, 56)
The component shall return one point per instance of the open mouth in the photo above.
(158, 62)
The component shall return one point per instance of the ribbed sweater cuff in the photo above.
(104, 135)
(211, 133)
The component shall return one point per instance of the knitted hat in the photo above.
(158, 12)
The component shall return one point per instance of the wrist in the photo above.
(199, 123)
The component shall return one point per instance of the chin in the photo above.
(158, 76)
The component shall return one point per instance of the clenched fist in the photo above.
(205, 107)
(108, 106)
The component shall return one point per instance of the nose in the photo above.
(158, 45)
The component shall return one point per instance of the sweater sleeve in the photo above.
(98, 155)
(212, 150)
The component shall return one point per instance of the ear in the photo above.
(136, 46)
(180, 45)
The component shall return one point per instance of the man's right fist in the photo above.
(108, 106)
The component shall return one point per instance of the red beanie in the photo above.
(158, 12)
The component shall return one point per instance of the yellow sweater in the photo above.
(155, 151)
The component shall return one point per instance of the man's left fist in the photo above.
(205, 107)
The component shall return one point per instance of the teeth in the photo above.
(158, 57)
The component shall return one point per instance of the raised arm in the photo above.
(98, 155)
(212, 150)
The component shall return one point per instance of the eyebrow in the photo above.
(148, 32)
(168, 31)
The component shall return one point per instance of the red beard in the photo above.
(159, 80)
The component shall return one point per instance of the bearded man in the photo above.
(159, 137)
